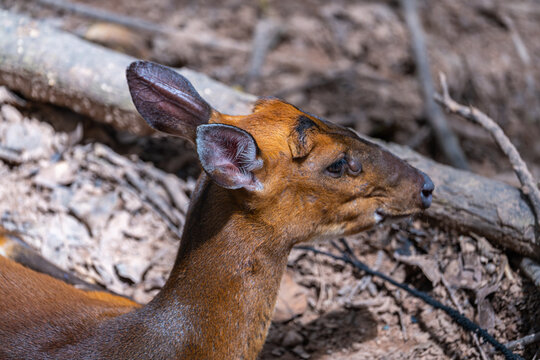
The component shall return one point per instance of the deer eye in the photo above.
(337, 168)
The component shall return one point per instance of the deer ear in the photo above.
(166, 100)
(229, 156)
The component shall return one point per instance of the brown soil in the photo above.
(352, 65)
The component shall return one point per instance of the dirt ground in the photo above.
(349, 61)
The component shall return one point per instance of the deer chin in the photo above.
(382, 217)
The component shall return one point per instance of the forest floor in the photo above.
(348, 61)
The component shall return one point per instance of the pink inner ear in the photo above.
(229, 155)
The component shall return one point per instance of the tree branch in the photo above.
(446, 139)
(46, 64)
(529, 187)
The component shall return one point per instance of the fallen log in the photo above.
(473, 203)
(46, 64)
(49, 65)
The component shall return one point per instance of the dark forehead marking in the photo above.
(303, 123)
(334, 128)
(339, 130)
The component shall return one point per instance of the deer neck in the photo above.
(226, 277)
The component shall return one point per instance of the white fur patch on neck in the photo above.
(378, 217)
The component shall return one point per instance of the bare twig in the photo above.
(16, 248)
(529, 187)
(524, 341)
(104, 156)
(266, 36)
(366, 280)
(446, 139)
(104, 15)
(452, 295)
(348, 256)
(403, 327)
(334, 75)
(148, 27)
(531, 269)
(397, 297)
(521, 49)
(322, 286)
(520, 8)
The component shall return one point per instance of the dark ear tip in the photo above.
(142, 68)
(137, 68)
(147, 71)
(134, 66)
(205, 129)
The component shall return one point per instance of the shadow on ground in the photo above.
(331, 332)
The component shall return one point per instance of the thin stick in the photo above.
(146, 26)
(531, 269)
(525, 58)
(446, 139)
(104, 157)
(348, 257)
(524, 341)
(366, 280)
(529, 187)
(397, 297)
(266, 36)
(334, 75)
(452, 295)
(103, 15)
(207, 40)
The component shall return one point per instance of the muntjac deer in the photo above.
(271, 179)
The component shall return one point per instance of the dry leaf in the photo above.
(428, 265)
(292, 299)
(60, 173)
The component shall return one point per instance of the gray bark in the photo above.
(46, 64)
(474, 203)
(49, 65)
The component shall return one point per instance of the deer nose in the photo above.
(427, 191)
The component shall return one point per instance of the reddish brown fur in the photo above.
(218, 301)
(386, 178)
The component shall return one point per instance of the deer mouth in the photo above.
(381, 217)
